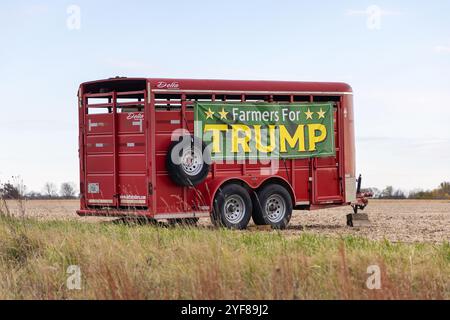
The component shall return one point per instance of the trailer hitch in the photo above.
(362, 198)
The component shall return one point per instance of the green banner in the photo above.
(265, 130)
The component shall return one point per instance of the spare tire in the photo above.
(185, 161)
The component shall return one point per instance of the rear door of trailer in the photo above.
(115, 142)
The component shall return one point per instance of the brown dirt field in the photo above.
(394, 220)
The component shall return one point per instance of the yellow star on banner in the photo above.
(321, 114)
(223, 114)
(309, 114)
(209, 114)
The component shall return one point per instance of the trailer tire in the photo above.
(256, 217)
(232, 207)
(186, 163)
(275, 207)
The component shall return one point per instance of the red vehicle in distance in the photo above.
(130, 127)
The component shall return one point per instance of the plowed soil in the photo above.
(394, 220)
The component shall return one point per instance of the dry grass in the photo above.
(148, 262)
(395, 220)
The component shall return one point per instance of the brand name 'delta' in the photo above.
(135, 116)
(168, 85)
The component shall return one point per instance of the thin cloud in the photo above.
(127, 64)
(352, 12)
(137, 67)
(418, 144)
(442, 49)
(35, 9)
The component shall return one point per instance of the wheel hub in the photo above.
(275, 208)
(234, 208)
(191, 162)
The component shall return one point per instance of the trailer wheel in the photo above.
(256, 217)
(275, 207)
(232, 207)
(185, 162)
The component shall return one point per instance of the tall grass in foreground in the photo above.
(148, 262)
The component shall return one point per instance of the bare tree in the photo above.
(387, 192)
(398, 194)
(445, 187)
(50, 190)
(9, 191)
(34, 195)
(68, 190)
(14, 189)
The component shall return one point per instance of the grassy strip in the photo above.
(147, 262)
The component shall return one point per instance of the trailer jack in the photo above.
(356, 219)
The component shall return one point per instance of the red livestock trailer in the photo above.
(266, 148)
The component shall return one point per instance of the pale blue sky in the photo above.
(400, 72)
